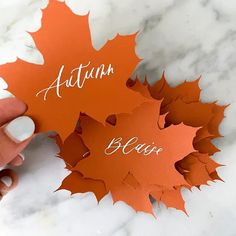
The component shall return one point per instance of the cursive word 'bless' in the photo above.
(77, 78)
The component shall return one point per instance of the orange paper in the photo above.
(180, 131)
(74, 77)
(133, 139)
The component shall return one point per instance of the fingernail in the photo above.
(20, 129)
(22, 156)
(2, 168)
(5, 94)
(6, 180)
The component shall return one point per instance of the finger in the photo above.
(8, 181)
(14, 137)
(17, 161)
(10, 108)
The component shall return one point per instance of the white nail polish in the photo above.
(22, 156)
(20, 129)
(7, 181)
(2, 168)
(5, 94)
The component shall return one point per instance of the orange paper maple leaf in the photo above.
(132, 178)
(120, 172)
(182, 104)
(75, 77)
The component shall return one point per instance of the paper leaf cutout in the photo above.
(113, 170)
(171, 198)
(65, 42)
(80, 184)
(144, 122)
(133, 178)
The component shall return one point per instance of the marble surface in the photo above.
(186, 39)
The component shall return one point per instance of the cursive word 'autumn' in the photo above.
(77, 78)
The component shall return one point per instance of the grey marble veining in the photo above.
(186, 39)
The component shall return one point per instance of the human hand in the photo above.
(16, 132)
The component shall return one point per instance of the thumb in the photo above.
(14, 137)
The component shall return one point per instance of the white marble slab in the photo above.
(186, 39)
